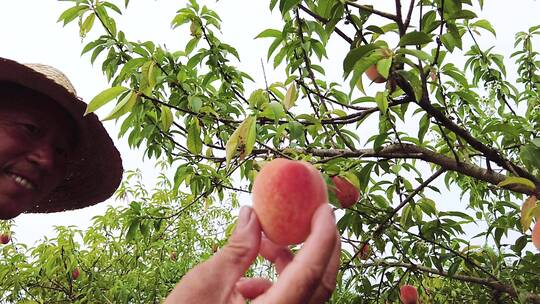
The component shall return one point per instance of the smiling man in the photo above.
(52, 157)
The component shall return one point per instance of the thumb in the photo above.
(242, 248)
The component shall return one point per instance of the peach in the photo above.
(408, 294)
(374, 75)
(536, 234)
(286, 193)
(5, 238)
(365, 252)
(75, 273)
(346, 193)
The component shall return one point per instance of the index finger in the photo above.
(302, 276)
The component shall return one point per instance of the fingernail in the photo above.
(332, 211)
(243, 217)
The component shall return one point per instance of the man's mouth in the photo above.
(22, 181)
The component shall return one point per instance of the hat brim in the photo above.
(94, 170)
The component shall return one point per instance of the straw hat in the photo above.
(94, 171)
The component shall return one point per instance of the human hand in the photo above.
(308, 277)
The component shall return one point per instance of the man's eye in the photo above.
(30, 128)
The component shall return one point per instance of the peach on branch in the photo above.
(536, 234)
(5, 238)
(365, 251)
(286, 193)
(374, 75)
(75, 273)
(408, 294)
(346, 193)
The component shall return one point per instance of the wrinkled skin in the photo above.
(36, 136)
(308, 277)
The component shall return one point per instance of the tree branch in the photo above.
(369, 9)
(490, 153)
(409, 151)
(495, 285)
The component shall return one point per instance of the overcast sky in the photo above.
(29, 33)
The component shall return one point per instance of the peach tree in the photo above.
(132, 253)
(439, 116)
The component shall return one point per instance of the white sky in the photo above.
(29, 33)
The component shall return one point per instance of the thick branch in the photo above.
(409, 151)
(490, 153)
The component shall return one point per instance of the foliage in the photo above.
(133, 254)
(476, 129)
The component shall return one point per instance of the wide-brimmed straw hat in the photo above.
(94, 169)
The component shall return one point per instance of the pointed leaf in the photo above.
(517, 180)
(382, 101)
(290, 97)
(415, 38)
(526, 214)
(166, 118)
(103, 98)
(194, 142)
(124, 106)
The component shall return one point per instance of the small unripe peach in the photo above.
(286, 194)
(536, 234)
(346, 193)
(5, 238)
(173, 256)
(75, 273)
(374, 75)
(365, 252)
(408, 294)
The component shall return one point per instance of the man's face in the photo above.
(36, 136)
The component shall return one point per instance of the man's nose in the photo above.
(43, 155)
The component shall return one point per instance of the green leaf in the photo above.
(290, 97)
(416, 53)
(406, 217)
(258, 98)
(70, 14)
(382, 101)
(86, 26)
(103, 98)
(274, 110)
(132, 230)
(231, 146)
(383, 67)
(243, 137)
(512, 180)
(194, 142)
(415, 38)
(454, 267)
(356, 54)
(424, 126)
(149, 76)
(414, 81)
(287, 5)
(363, 176)
(166, 118)
(124, 106)
(428, 206)
(485, 25)
(195, 103)
(526, 212)
(251, 135)
(269, 33)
